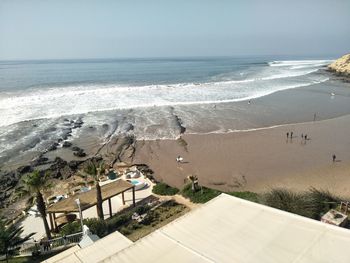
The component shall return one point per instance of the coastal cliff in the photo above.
(341, 66)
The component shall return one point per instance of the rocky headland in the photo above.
(341, 66)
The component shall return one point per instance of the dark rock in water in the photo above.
(40, 161)
(76, 148)
(80, 153)
(78, 123)
(25, 169)
(65, 119)
(60, 140)
(67, 131)
(52, 147)
(66, 144)
(179, 123)
(129, 127)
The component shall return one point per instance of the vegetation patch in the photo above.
(201, 195)
(164, 189)
(155, 219)
(312, 203)
(97, 226)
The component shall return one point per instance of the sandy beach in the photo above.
(257, 160)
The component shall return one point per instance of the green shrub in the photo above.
(287, 200)
(150, 218)
(142, 209)
(125, 231)
(70, 228)
(164, 189)
(117, 221)
(96, 226)
(202, 195)
(320, 202)
(312, 203)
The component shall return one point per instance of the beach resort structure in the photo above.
(225, 229)
(117, 194)
(88, 199)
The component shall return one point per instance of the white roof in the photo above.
(228, 229)
(96, 252)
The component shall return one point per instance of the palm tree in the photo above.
(10, 239)
(94, 171)
(36, 183)
(194, 182)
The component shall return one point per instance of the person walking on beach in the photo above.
(302, 136)
(305, 137)
(291, 135)
(179, 159)
(334, 158)
(287, 135)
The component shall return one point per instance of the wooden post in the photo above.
(54, 220)
(123, 199)
(133, 196)
(51, 222)
(110, 207)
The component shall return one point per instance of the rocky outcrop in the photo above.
(341, 66)
(58, 169)
(118, 149)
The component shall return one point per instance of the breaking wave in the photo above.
(72, 99)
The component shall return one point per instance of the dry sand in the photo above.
(257, 160)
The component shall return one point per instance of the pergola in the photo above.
(88, 199)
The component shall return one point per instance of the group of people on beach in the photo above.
(303, 137)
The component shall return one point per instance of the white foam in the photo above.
(286, 63)
(60, 101)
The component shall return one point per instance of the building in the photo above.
(229, 229)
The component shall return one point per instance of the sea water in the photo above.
(145, 97)
(46, 89)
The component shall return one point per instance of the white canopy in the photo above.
(228, 229)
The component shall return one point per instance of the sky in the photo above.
(68, 29)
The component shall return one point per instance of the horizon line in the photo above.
(170, 57)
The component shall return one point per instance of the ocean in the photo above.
(148, 98)
(47, 89)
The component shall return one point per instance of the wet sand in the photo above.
(257, 160)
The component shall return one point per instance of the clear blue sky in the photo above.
(43, 29)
